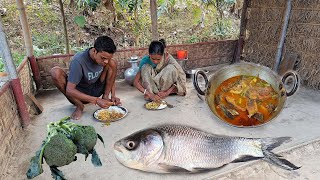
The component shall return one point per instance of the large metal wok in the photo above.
(250, 69)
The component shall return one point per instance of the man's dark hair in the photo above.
(105, 43)
(156, 47)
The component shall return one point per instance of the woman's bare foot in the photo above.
(76, 115)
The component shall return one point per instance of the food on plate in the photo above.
(153, 105)
(109, 115)
(245, 100)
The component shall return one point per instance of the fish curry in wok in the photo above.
(245, 100)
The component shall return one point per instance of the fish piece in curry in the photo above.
(245, 100)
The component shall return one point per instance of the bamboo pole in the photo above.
(154, 23)
(25, 27)
(28, 42)
(15, 81)
(283, 35)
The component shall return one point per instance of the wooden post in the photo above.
(242, 34)
(64, 24)
(154, 20)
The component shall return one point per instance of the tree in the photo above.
(154, 20)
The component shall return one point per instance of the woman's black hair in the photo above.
(157, 47)
(105, 43)
(163, 42)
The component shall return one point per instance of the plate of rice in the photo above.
(153, 105)
(113, 113)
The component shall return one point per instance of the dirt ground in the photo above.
(299, 119)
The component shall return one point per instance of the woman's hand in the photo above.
(163, 94)
(104, 103)
(153, 97)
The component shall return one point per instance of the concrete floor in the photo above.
(299, 119)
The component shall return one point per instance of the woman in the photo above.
(159, 74)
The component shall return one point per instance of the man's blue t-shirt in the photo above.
(146, 60)
(83, 70)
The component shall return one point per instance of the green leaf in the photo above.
(35, 167)
(95, 159)
(56, 173)
(82, 149)
(101, 139)
(80, 21)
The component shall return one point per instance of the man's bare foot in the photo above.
(76, 115)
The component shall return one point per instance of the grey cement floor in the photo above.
(299, 119)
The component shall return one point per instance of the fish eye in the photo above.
(130, 145)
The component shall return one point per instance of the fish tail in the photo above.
(269, 144)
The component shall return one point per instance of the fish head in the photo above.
(139, 150)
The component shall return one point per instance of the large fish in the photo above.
(176, 148)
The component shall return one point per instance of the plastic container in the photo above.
(182, 54)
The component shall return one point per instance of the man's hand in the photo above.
(104, 103)
(116, 100)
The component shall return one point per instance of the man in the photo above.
(92, 74)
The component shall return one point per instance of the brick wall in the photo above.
(200, 55)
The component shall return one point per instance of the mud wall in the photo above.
(10, 126)
(264, 25)
(200, 55)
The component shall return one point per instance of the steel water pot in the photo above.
(131, 72)
(248, 69)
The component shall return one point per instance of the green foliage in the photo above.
(44, 14)
(196, 11)
(193, 39)
(47, 43)
(79, 49)
(2, 68)
(223, 29)
(80, 21)
(91, 4)
(130, 5)
(178, 22)
(17, 59)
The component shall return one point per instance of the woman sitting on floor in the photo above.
(159, 74)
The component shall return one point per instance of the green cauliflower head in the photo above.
(85, 136)
(59, 150)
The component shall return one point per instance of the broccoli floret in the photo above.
(59, 150)
(86, 136)
(64, 140)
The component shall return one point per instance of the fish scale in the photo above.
(177, 148)
(212, 153)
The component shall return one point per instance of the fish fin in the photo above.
(198, 170)
(276, 160)
(169, 168)
(245, 159)
(271, 143)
